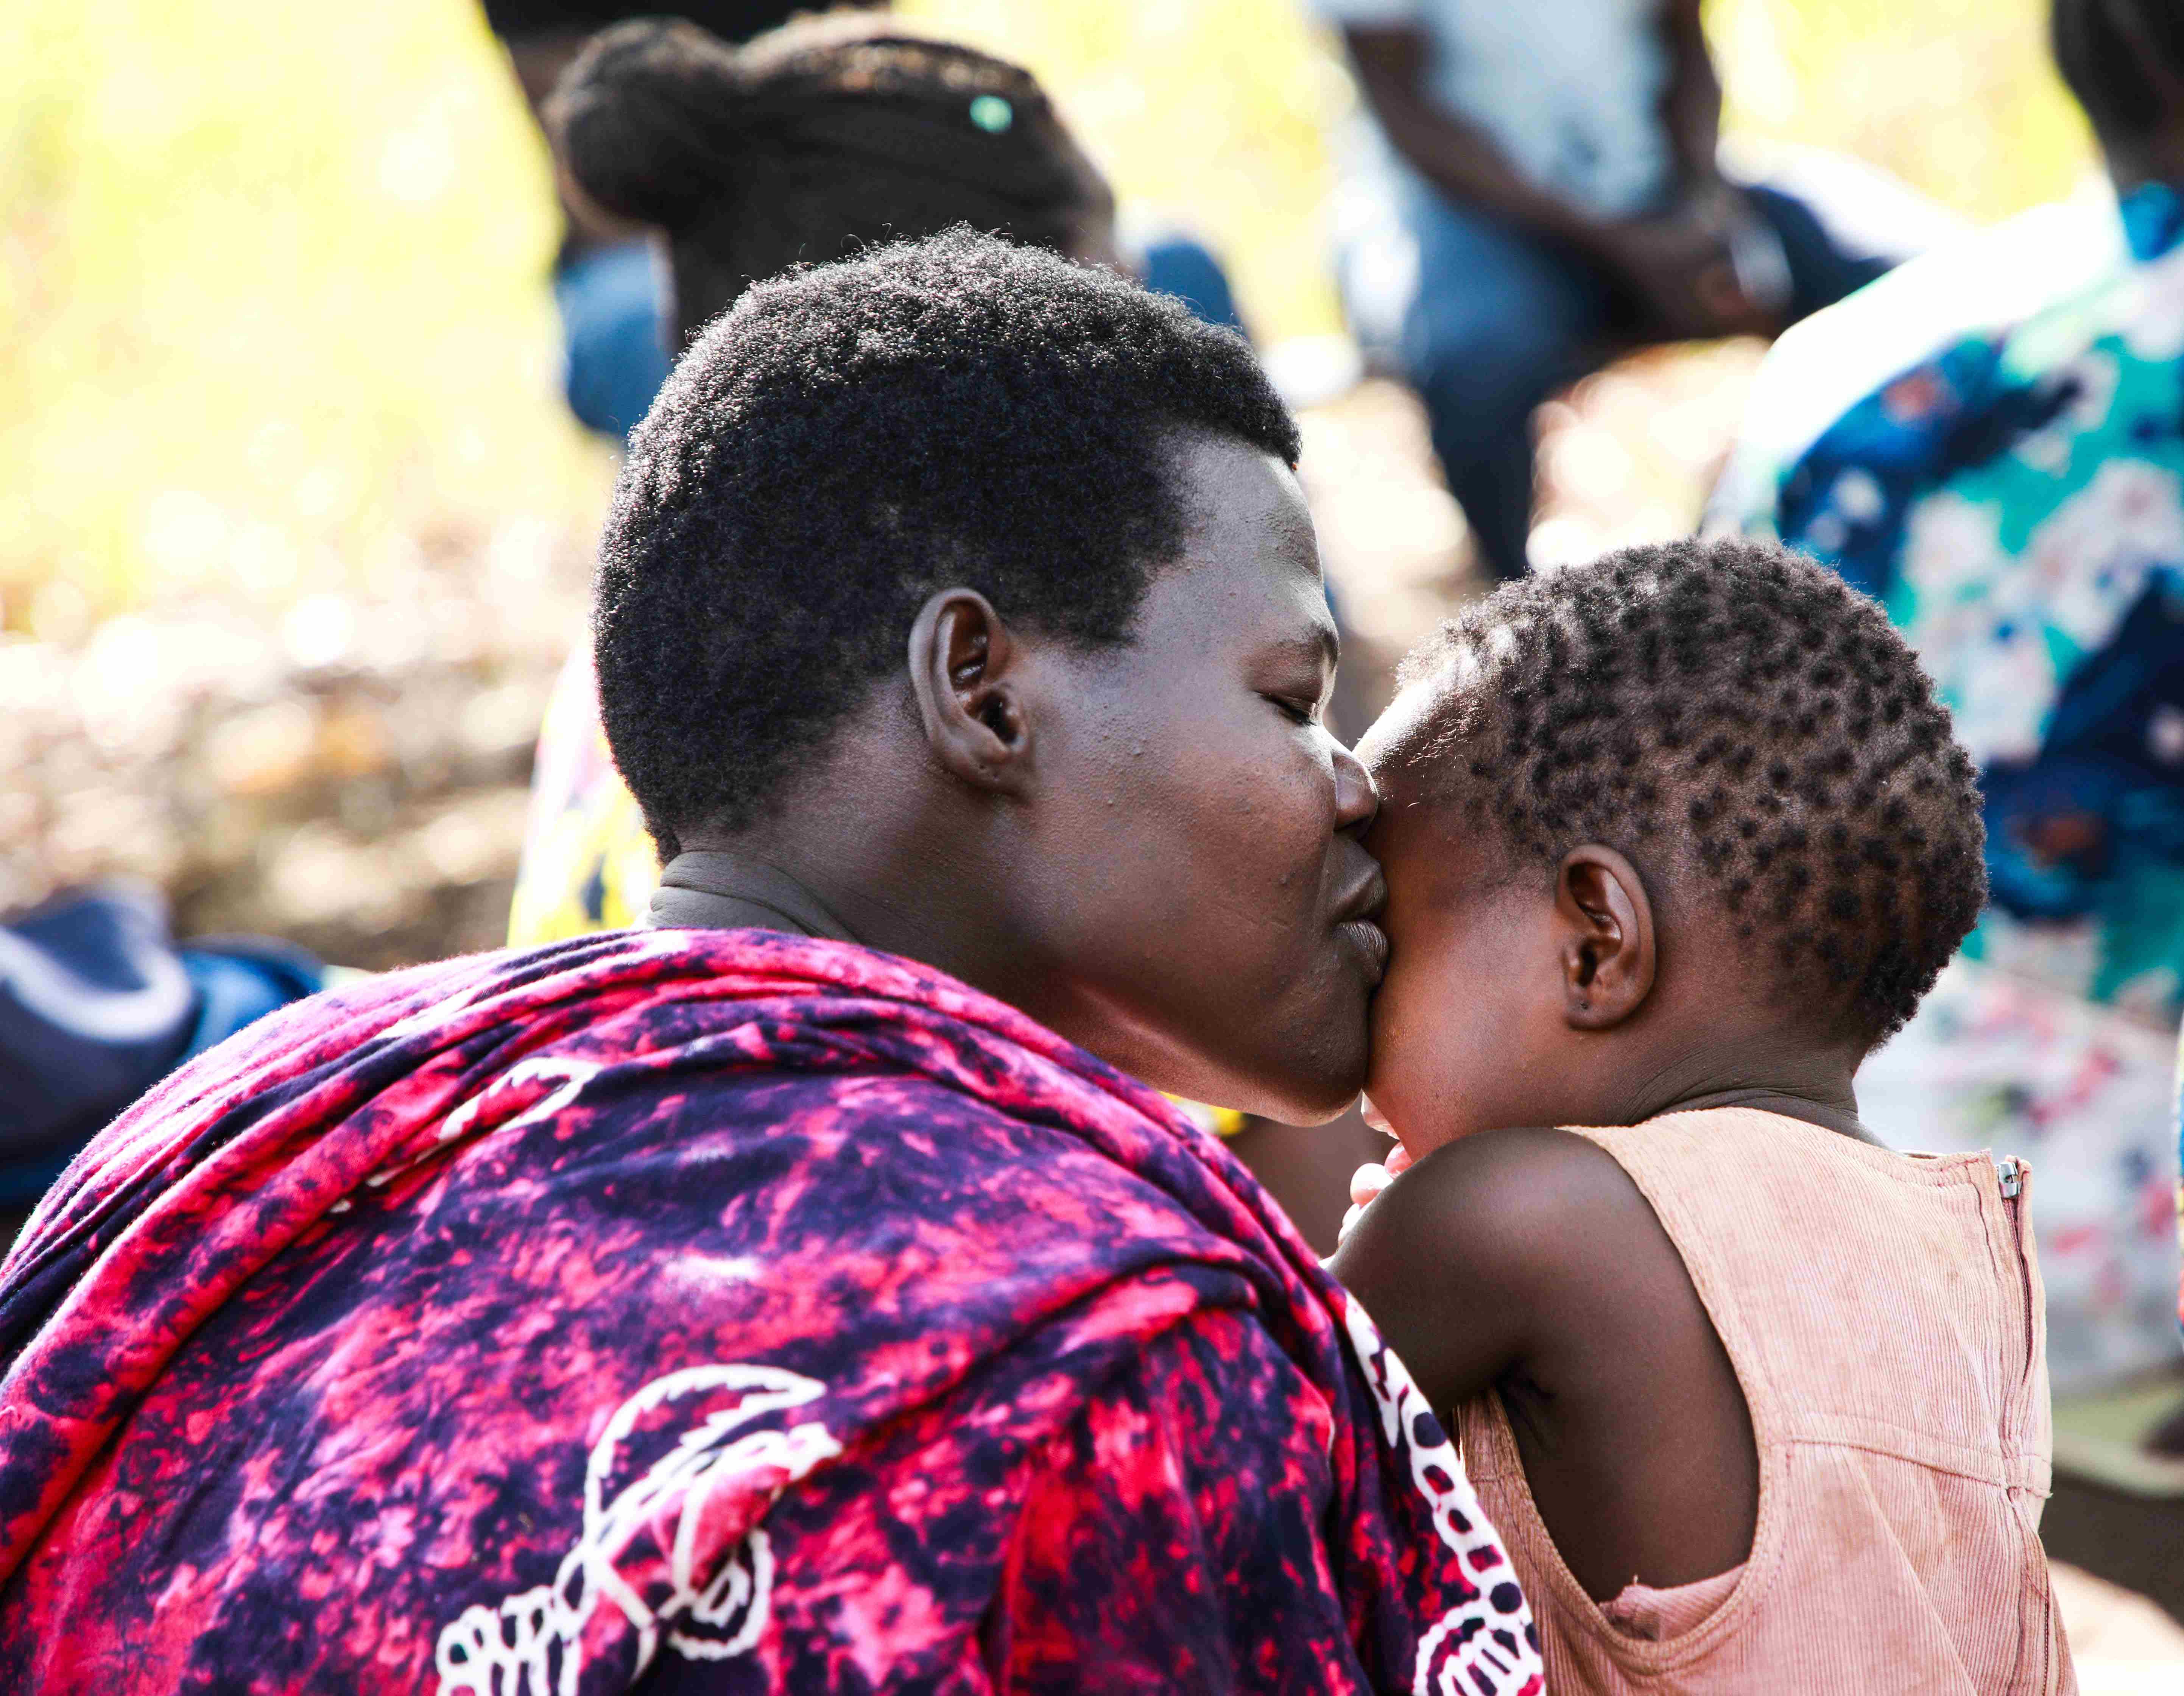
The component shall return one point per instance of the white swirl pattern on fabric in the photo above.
(533, 1642)
(1461, 1655)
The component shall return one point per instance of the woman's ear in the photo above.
(964, 665)
(1608, 954)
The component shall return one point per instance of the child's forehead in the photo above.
(1406, 729)
(1427, 720)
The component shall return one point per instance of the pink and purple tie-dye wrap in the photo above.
(721, 1311)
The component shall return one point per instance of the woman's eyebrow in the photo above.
(1323, 647)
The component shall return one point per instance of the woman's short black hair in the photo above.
(2104, 49)
(851, 437)
(1739, 721)
(824, 137)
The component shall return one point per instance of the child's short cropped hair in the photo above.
(1738, 720)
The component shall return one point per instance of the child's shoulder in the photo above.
(1514, 1241)
(1507, 1185)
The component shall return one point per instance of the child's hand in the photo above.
(1365, 1183)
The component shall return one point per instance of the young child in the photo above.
(1673, 841)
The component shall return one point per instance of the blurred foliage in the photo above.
(272, 302)
(1213, 114)
(272, 278)
(1959, 98)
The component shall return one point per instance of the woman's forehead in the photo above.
(1242, 499)
(1249, 572)
(1264, 608)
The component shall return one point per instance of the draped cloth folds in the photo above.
(725, 1310)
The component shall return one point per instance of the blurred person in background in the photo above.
(606, 280)
(97, 1002)
(828, 135)
(2015, 496)
(619, 315)
(1536, 190)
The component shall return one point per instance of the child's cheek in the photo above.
(1421, 1019)
(1392, 1066)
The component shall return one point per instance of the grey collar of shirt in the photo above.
(709, 890)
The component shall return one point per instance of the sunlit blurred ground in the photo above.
(293, 528)
(2122, 1643)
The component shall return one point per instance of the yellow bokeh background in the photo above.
(273, 295)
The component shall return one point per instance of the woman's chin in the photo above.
(1313, 1104)
(1277, 1088)
(1317, 1072)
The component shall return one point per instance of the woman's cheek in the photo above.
(1289, 846)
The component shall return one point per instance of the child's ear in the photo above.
(1607, 938)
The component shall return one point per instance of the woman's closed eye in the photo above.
(1302, 710)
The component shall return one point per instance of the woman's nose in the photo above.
(1355, 801)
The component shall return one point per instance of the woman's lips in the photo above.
(1370, 943)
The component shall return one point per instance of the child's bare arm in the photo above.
(1529, 1262)
(1509, 1249)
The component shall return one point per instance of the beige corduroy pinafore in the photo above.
(1884, 1314)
